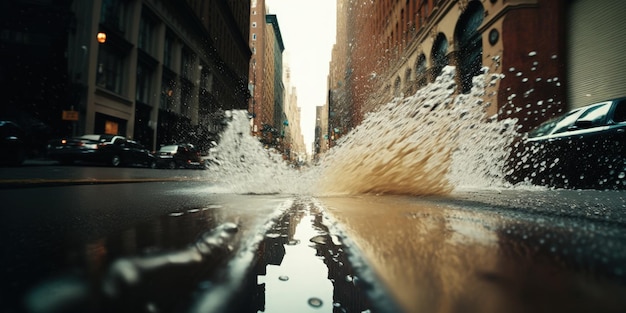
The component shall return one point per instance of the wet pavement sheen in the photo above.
(437, 257)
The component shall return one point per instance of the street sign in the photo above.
(70, 115)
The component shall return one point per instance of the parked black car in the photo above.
(180, 156)
(108, 149)
(584, 148)
(12, 145)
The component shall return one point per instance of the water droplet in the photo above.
(315, 302)
(321, 240)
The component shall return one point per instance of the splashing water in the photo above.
(245, 166)
(430, 143)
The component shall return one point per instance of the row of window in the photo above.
(114, 54)
(469, 58)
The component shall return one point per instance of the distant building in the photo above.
(295, 150)
(267, 105)
(320, 142)
(340, 112)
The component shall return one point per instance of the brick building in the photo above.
(550, 52)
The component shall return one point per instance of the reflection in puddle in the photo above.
(436, 257)
(154, 265)
(303, 268)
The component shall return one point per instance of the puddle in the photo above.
(302, 267)
(152, 265)
(192, 260)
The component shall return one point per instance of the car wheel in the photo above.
(116, 160)
(171, 165)
(152, 164)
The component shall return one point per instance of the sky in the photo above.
(308, 32)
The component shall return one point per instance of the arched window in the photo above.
(420, 71)
(470, 44)
(439, 55)
(396, 87)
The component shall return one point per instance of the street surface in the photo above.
(528, 250)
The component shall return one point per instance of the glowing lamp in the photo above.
(102, 37)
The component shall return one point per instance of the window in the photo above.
(253, 24)
(167, 53)
(619, 115)
(186, 64)
(595, 116)
(167, 93)
(185, 99)
(144, 77)
(112, 14)
(110, 68)
(564, 123)
(469, 43)
(254, 36)
(206, 79)
(439, 54)
(146, 30)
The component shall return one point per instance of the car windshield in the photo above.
(92, 137)
(555, 124)
(168, 149)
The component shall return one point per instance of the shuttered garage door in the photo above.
(596, 51)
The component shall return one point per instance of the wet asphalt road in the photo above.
(472, 251)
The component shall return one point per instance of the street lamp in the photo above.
(102, 37)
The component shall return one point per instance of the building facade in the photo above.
(547, 51)
(34, 81)
(267, 105)
(166, 71)
(340, 120)
(157, 71)
(294, 149)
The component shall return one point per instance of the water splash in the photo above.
(430, 143)
(242, 165)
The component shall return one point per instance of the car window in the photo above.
(567, 121)
(619, 115)
(596, 115)
(91, 137)
(168, 149)
(545, 128)
(132, 145)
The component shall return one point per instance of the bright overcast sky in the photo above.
(308, 31)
